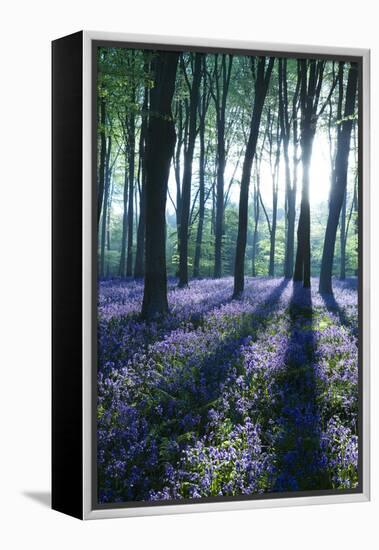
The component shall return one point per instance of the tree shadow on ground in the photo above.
(334, 308)
(186, 397)
(298, 446)
(212, 371)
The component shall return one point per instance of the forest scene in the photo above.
(228, 262)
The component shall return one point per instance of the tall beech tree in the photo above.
(346, 214)
(256, 210)
(103, 152)
(181, 119)
(122, 264)
(263, 75)
(353, 210)
(187, 170)
(285, 115)
(219, 89)
(339, 182)
(131, 131)
(203, 108)
(311, 78)
(274, 139)
(140, 246)
(160, 145)
(107, 186)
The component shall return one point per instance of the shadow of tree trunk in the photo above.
(299, 456)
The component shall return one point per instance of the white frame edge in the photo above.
(88, 511)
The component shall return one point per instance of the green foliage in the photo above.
(123, 76)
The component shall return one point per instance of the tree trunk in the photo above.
(256, 222)
(261, 86)
(275, 190)
(338, 189)
(121, 270)
(343, 239)
(220, 103)
(303, 254)
(103, 152)
(290, 187)
(181, 126)
(200, 226)
(140, 248)
(159, 151)
(311, 75)
(131, 158)
(187, 172)
(219, 218)
(105, 207)
(271, 269)
(108, 229)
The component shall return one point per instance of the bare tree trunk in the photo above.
(199, 233)
(303, 255)
(121, 270)
(187, 175)
(181, 123)
(338, 189)
(256, 222)
(311, 75)
(131, 158)
(271, 268)
(103, 152)
(343, 239)
(261, 86)
(108, 229)
(140, 248)
(159, 151)
(220, 103)
(275, 190)
(105, 207)
(290, 186)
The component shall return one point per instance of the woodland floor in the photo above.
(227, 397)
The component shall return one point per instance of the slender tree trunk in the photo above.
(187, 172)
(103, 152)
(219, 218)
(220, 97)
(311, 74)
(275, 190)
(213, 220)
(181, 138)
(199, 233)
(109, 224)
(303, 254)
(338, 189)
(271, 270)
(131, 155)
(140, 248)
(290, 186)
(159, 151)
(261, 86)
(355, 208)
(343, 239)
(105, 207)
(290, 245)
(122, 266)
(256, 222)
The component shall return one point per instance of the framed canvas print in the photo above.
(210, 275)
